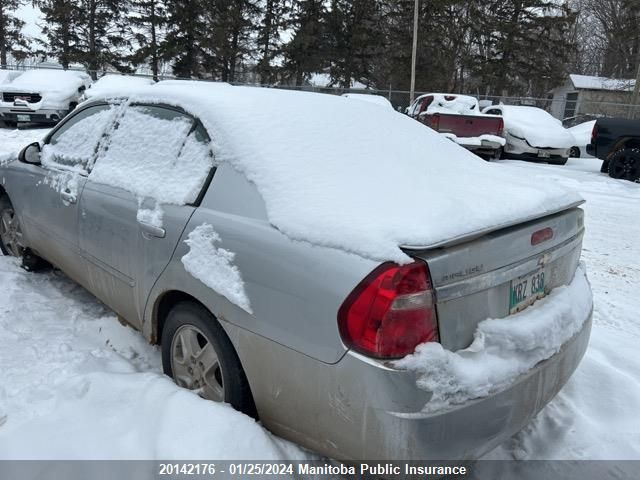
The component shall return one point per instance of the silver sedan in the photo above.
(310, 349)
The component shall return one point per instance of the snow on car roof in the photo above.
(588, 82)
(375, 99)
(64, 82)
(353, 176)
(117, 84)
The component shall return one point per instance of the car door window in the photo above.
(156, 152)
(73, 146)
(494, 111)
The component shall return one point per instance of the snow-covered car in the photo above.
(458, 118)
(355, 281)
(375, 99)
(112, 84)
(582, 135)
(6, 76)
(42, 96)
(533, 134)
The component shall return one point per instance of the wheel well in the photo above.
(164, 306)
(2, 191)
(624, 143)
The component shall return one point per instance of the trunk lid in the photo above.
(482, 277)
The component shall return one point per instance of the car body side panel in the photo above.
(295, 290)
(122, 260)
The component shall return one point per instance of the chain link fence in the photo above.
(571, 108)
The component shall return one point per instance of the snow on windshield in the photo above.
(117, 85)
(338, 174)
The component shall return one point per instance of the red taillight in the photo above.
(501, 127)
(594, 133)
(541, 236)
(390, 312)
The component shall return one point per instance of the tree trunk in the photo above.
(154, 43)
(3, 42)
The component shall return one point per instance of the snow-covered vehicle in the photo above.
(582, 134)
(112, 84)
(42, 96)
(375, 99)
(355, 281)
(533, 134)
(458, 117)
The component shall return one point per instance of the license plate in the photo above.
(24, 118)
(543, 154)
(525, 290)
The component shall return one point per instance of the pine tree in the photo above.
(273, 22)
(61, 17)
(355, 38)
(147, 18)
(12, 41)
(181, 44)
(306, 51)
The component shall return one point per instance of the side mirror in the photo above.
(30, 154)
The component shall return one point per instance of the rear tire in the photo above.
(198, 355)
(604, 168)
(625, 164)
(575, 152)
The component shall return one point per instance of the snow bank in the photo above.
(75, 384)
(446, 103)
(333, 174)
(503, 349)
(538, 127)
(214, 266)
(374, 99)
(117, 85)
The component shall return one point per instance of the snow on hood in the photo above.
(582, 132)
(117, 85)
(54, 83)
(538, 127)
(7, 75)
(353, 176)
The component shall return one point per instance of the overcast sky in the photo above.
(32, 17)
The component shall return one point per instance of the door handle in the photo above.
(149, 230)
(68, 197)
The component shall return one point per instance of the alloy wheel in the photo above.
(195, 363)
(11, 233)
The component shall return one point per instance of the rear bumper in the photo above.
(591, 149)
(360, 409)
(49, 116)
(474, 429)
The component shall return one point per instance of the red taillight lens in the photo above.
(541, 236)
(501, 128)
(390, 312)
(594, 133)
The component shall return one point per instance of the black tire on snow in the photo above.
(625, 164)
(237, 391)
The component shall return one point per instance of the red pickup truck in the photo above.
(458, 117)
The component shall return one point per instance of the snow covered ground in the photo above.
(74, 383)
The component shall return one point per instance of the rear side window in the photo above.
(73, 146)
(156, 152)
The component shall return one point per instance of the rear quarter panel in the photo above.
(295, 289)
